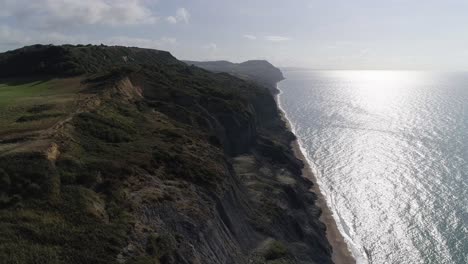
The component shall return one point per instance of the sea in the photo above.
(389, 150)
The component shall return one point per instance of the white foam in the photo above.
(355, 248)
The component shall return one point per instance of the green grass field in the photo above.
(31, 104)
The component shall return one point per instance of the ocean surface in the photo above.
(390, 151)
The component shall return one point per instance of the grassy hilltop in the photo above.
(127, 155)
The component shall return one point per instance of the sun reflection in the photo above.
(379, 91)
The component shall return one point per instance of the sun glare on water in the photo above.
(379, 91)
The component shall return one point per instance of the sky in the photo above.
(319, 34)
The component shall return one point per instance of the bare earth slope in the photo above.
(148, 160)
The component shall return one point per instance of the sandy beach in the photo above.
(341, 253)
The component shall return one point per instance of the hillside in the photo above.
(259, 71)
(127, 155)
(68, 60)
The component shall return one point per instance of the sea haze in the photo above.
(390, 151)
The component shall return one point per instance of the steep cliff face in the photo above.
(259, 71)
(159, 162)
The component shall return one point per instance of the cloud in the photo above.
(364, 52)
(211, 47)
(160, 43)
(12, 38)
(171, 19)
(251, 37)
(59, 13)
(210, 51)
(182, 15)
(277, 38)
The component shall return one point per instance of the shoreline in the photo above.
(341, 253)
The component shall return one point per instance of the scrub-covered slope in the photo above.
(138, 158)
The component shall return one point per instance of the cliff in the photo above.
(261, 72)
(127, 155)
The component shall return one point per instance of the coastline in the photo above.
(144, 198)
(341, 252)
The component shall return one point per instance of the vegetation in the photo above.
(68, 60)
(41, 99)
(258, 71)
(275, 250)
(113, 154)
(76, 206)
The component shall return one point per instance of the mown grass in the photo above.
(32, 104)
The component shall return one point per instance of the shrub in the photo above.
(5, 180)
(161, 245)
(106, 129)
(37, 117)
(275, 250)
(40, 108)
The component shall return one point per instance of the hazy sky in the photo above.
(337, 34)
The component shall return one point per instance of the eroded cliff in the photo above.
(148, 161)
